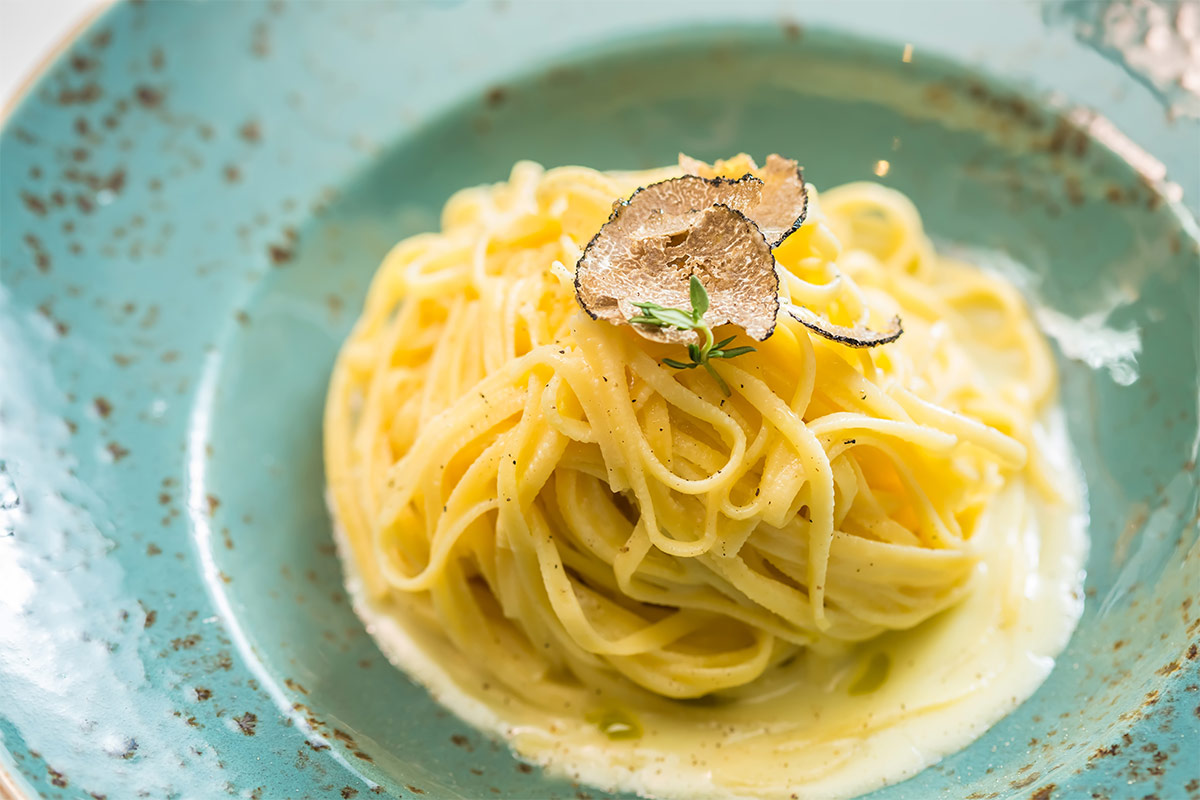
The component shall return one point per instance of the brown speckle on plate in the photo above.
(148, 96)
(1021, 783)
(334, 304)
(246, 723)
(57, 778)
(81, 63)
(34, 203)
(295, 686)
(88, 93)
(251, 132)
(1169, 668)
(260, 42)
(279, 255)
(41, 258)
(185, 642)
(496, 96)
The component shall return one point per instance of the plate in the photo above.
(194, 197)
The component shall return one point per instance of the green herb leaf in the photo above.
(699, 298)
(721, 345)
(670, 362)
(665, 318)
(701, 354)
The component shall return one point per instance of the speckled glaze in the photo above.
(194, 196)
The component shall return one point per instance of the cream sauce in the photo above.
(832, 724)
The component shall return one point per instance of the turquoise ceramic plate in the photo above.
(195, 195)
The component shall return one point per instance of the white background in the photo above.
(30, 30)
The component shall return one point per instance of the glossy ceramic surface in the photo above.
(194, 196)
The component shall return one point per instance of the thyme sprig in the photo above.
(701, 354)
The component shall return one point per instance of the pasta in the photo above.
(579, 519)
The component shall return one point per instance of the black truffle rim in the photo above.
(803, 211)
(851, 337)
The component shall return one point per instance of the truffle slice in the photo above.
(653, 244)
(784, 202)
(673, 206)
(851, 337)
(781, 206)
